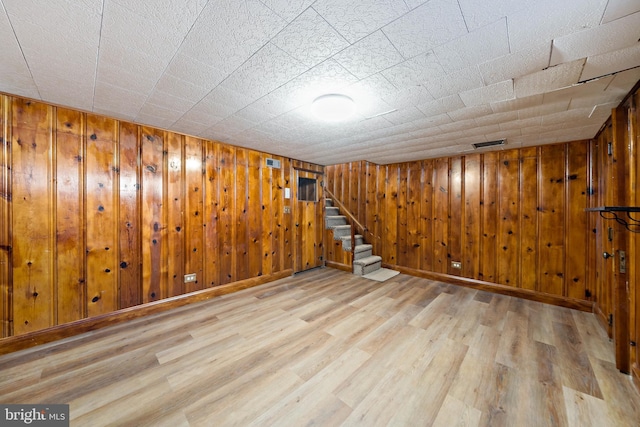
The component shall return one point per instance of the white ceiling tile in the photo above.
(484, 95)
(414, 71)
(405, 115)
(470, 112)
(563, 117)
(611, 62)
(517, 103)
(144, 33)
(125, 78)
(430, 25)
(545, 20)
(355, 20)
(223, 102)
(151, 110)
(115, 53)
(154, 120)
(441, 105)
(481, 45)
(288, 9)
(228, 32)
(368, 56)
(552, 78)
(327, 77)
(265, 71)
(174, 16)
(197, 73)
(456, 82)
(624, 81)
(114, 99)
(619, 8)
(15, 76)
(543, 109)
(310, 39)
(169, 101)
(517, 64)
(615, 35)
(188, 127)
(408, 97)
(519, 124)
(179, 88)
(497, 118)
(478, 13)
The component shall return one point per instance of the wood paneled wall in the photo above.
(515, 218)
(98, 215)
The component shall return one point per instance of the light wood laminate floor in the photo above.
(328, 348)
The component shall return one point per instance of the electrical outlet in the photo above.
(190, 277)
(287, 209)
(456, 264)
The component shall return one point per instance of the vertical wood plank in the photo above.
(551, 218)
(33, 296)
(69, 265)
(529, 218)
(426, 210)
(227, 209)
(277, 208)
(576, 219)
(194, 185)
(5, 217)
(489, 205)
(414, 220)
(242, 199)
(401, 206)
(371, 207)
(456, 207)
(129, 222)
(212, 196)
(472, 192)
(176, 229)
(154, 267)
(441, 215)
(390, 237)
(254, 213)
(508, 226)
(102, 215)
(287, 248)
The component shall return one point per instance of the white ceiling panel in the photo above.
(310, 39)
(477, 14)
(615, 35)
(428, 76)
(430, 25)
(619, 8)
(552, 78)
(481, 45)
(357, 19)
(369, 55)
(517, 64)
(546, 20)
(611, 62)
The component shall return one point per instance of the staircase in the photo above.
(364, 262)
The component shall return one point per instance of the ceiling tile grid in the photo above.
(429, 77)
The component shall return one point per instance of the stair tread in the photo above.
(335, 216)
(343, 227)
(364, 247)
(368, 260)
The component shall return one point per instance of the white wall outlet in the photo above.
(456, 264)
(190, 277)
(287, 209)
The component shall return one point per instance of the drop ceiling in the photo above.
(430, 77)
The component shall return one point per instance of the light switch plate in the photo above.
(456, 264)
(190, 277)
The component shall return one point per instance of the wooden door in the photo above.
(308, 220)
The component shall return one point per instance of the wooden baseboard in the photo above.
(498, 289)
(339, 266)
(32, 339)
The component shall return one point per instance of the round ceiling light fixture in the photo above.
(333, 107)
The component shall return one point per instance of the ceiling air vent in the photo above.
(273, 163)
(489, 143)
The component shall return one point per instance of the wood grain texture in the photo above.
(112, 215)
(327, 348)
(509, 217)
